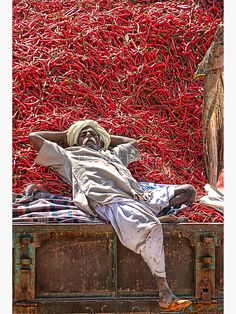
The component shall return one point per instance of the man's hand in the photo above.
(37, 138)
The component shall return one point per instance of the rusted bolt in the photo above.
(26, 261)
(206, 260)
(207, 239)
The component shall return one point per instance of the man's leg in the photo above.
(165, 294)
(167, 300)
(153, 254)
(183, 194)
(140, 231)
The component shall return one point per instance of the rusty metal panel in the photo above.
(180, 256)
(135, 278)
(207, 241)
(84, 269)
(75, 264)
(133, 274)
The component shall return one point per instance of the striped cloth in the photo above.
(44, 207)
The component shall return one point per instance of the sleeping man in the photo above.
(95, 164)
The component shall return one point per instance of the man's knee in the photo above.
(190, 192)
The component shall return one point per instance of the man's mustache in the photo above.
(88, 139)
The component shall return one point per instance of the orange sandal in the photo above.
(177, 305)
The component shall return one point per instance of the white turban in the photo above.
(74, 131)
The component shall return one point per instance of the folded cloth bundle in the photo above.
(74, 130)
(214, 198)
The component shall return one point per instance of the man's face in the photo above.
(90, 138)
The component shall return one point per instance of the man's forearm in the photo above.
(37, 138)
(117, 140)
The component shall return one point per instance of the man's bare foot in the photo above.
(169, 302)
(167, 299)
(165, 294)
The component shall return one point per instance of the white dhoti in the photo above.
(138, 229)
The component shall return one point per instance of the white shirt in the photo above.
(97, 177)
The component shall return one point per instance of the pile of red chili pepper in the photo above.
(126, 64)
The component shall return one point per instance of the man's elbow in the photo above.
(35, 140)
(32, 136)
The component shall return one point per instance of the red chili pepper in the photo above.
(128, 66)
